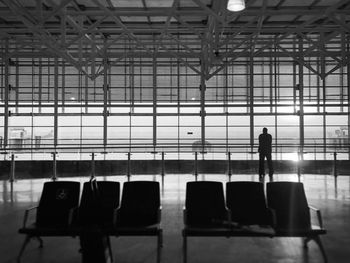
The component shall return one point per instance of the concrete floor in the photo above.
(332, 197)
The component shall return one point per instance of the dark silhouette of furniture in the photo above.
(140, 212)
(205, 213)
(250, 215)
(98, 206)
(99, 203)
(55, 213)
(289, 202)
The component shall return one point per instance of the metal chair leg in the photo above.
(306, 240)
(184, 248)
(41, 242)
(159, 245)
(110, 249)
(25, 243)
(320, 245)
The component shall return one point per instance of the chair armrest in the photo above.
(185, 215)
(159, 214)
(72, 214)
(319, 216)
(26, 214)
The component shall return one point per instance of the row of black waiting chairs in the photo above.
(247, 214)
(99, 215)
(244, 213)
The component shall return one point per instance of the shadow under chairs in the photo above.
(288, 200)
(140, 212)
(55, 213)
(97, 211)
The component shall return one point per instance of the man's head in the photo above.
(264, 130)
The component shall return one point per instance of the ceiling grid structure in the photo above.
(81, 32)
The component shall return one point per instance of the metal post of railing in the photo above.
(12, 173)
(298, 165)
(92, 165)
(335, 165)
(163, 165)
(54, 176)
(229, 172)
(196, 164)
(128, 174)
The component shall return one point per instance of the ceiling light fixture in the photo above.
(235, 5)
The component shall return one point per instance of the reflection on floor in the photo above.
(329, 195)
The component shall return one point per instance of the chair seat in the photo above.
(151, 230)
(34, 230)
(313, 231)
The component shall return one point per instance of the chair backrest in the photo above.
(205, 204)
(289, 202)
(98, 202)
(140, 204)
(246, 201)
(56, 202)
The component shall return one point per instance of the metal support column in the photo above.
(12, 172)
(202, 110)
(154, 65)
(6, 99)
(301, 101)
(348, 83)
(105, 99)
(251, 99)
(323, 75)
(55, 133)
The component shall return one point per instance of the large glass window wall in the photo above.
(152, 105)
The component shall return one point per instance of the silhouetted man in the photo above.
(264, 150)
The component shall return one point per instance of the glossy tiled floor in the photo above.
(333, 198)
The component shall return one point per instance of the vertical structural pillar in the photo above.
(301, 102)
(55, 131)
(105, 98)
(251, 99)
(348, 77)
(202, 111)
(154, 65)
(54, 166)
(323, 75)
(6, 99)
(128, 173)
(12, 173)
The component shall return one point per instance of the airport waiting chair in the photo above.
(140, 211)
(288, 200)
(99, 203)
(55, 213)
(250, 215)
(98, 206)
(205, 213)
